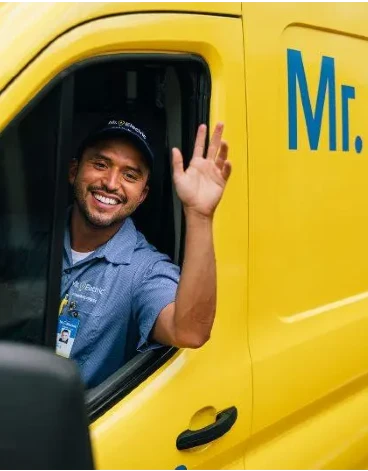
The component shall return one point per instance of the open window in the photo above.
(166, 95)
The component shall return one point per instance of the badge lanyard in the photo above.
(68, 325)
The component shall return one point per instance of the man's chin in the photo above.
(103, 222)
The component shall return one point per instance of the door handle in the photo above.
(191, 438)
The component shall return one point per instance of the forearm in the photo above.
(188, 321)
(195, 304)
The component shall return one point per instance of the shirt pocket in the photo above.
(87, 332)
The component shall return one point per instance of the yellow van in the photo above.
(282, 383)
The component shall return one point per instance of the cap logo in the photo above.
(127, 125)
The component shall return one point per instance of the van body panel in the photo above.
(193, 386)
(308, 265)
(28, 28)
(288, 348)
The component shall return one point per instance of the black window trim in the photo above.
(133, 373)
(64, 149)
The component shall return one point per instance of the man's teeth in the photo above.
(105, 200)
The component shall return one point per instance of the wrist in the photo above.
(192, 215)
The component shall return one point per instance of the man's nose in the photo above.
(112, 180)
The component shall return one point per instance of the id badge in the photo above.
(66, 333)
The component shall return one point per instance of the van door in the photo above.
(308, 321)
(194, 388)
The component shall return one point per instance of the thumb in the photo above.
(177, 163)
(226, 170)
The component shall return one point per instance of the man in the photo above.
(64, 337)
(120, 293)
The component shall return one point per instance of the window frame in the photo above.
(63, 143)
(130, 375)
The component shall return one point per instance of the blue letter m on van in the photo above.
(296, 76)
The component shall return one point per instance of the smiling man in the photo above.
(119, 294)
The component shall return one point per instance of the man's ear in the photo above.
(144, 194)
(73, 169)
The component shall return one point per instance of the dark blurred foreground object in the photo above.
(43, 422)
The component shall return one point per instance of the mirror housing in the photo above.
(43, 419)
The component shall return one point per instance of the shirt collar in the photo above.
(119, 249)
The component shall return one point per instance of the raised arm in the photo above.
(188, 321)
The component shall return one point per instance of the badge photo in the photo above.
(66, 334)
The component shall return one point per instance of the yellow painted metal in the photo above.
(302, 318)
(26, 28)
(308, 266)
(140, 431)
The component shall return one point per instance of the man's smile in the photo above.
(112, 201)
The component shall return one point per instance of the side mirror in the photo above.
(43, 421)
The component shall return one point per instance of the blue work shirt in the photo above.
(118, 292)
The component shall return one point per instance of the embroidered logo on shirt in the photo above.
(83, 286)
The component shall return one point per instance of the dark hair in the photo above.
(65, 330)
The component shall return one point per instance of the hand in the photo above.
(201, 186)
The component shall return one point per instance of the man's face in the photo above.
(64, 336)
(110, 182)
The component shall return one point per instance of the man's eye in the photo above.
(130, 176)
(100, 165)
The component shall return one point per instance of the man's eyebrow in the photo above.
(97, 155)
(134, 169)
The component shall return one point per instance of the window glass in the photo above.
(27, 174)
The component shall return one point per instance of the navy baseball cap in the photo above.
(120, 128)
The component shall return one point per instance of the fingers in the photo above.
(215, 141)
(177, 162)
(200, 141)
(219, 156)
(222, 155)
